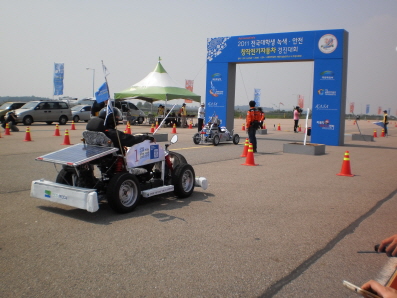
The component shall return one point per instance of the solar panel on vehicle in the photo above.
(77, 154)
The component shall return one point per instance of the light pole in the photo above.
(93, 81)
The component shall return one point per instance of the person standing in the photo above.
(183, 115)
(263, 117)
(296, 117)
(385, 121)
(200, 117)
(252, 123)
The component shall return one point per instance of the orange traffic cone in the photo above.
(243, 128)
(249, 161)
(128, 128)
(152, 129)
(264, 125)
(354, 122)
(245, 150)
(27, 135)
(299, 128)
(157, 124)
(191, 125)
(57, 134)
(72, 127)
(278, 127)
(7, 133)
(346, 166)
(66, 140)
(174, 129)
(375, 134)
(383, 133)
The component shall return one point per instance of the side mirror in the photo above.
(174, 139)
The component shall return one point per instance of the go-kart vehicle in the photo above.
(145, 170)
(214, 133)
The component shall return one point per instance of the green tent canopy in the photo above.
(157, 85)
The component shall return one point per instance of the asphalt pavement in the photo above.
(288, 227)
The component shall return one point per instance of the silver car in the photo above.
(48, 111)
(81, 112)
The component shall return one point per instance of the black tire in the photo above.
(236, 139)
(197, 138)
(2, 119)
(76, 119)
(183, 180)
(140, 120)
(67, 177)
(215, 140)
(49, 122)
(28, 120)
(123, 192)
(63, 120)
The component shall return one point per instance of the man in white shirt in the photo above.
(200, 117)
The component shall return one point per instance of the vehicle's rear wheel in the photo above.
(76, 119)
(123, 192)
(140, 120)
(63, 120)
(196, 138)
(28, 120)
(183, 180)
(215, 140)
(236, 139)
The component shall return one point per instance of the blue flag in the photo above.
(109, 112)
(58, 78)
(102, 94)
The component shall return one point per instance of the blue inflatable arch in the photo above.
(327, 48)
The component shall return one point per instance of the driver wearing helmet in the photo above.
(107, 124)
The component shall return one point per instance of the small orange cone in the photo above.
(264, 125)
(56, 134)
(249, 161)
(128, 128)
(375, 134)
(174, 129)
(27, 135)
(66, 140)
(278, 127)
(190, 124)
(7, 133)
(383, 133)
(243, 128)
(245, 150)
(299, 128)
(157, 125)
(354, 122)
(345, 171)
(72, 127)
(152, 129)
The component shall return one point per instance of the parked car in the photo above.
(86, 101)
(81, 112)
(9, 106)
(48, 111)
(131, 112)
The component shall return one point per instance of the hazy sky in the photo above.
(130, 35)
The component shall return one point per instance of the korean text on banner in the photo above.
(58, 78)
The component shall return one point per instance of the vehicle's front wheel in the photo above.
(140, 120)
(67, 177)
(236, 139)
(196, 138)
(76, 119)
(215, 140)
(183, 180)
(27, 120)
(123, 192)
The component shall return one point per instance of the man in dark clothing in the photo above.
(118, 138)
(252, 123)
